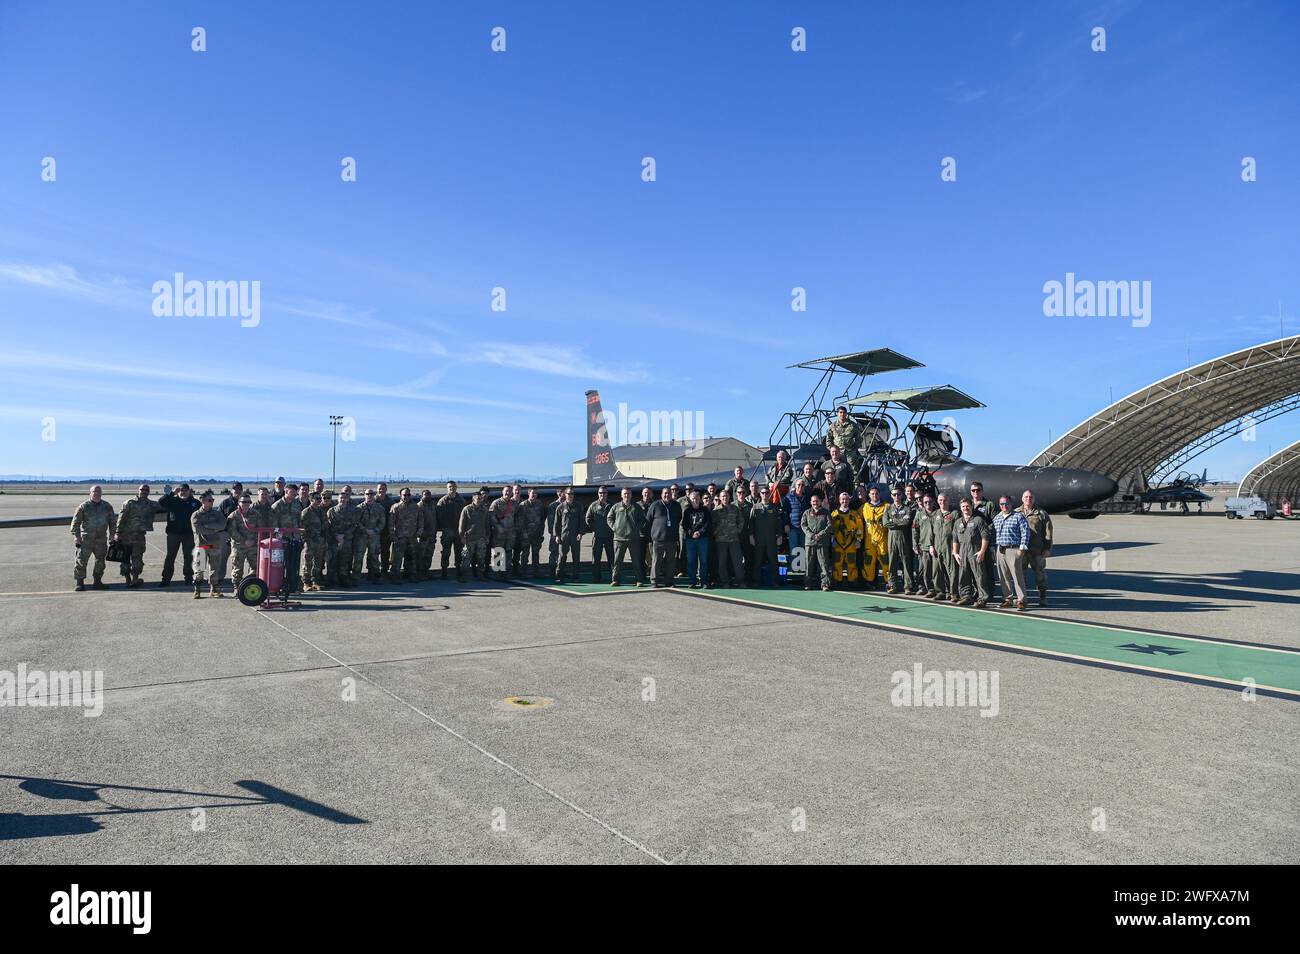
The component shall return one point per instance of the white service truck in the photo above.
(1242, 507)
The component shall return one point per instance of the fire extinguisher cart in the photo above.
(277, 576)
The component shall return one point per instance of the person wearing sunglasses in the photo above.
(1011, 536)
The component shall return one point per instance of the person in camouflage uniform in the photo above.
(263, 516)
(287, 514)
(501, 520)
(342, 524)
(898, 521)
(846, 536)
(403, 524)
(472, 531)
(530, 527)
(385, 504)
(134, 520)
(91, 526)
(426, 535)
(568, 532)
(449, 508)
(816, 525)
(602, 543)
(243, 541)
(209, 526)
(1040, 542)
(314, 532)
(372, 527)
(846, 434)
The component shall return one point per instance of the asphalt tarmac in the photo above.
(373, 724)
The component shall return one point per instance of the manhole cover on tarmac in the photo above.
(524, 702)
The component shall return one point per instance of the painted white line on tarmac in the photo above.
(473, 745)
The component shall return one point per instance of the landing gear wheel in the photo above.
(252, 591)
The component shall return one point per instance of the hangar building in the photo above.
(1275, 478)
(1144, 439)
(677, 460)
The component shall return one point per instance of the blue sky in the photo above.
(522, 170)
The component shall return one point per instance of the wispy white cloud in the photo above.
(560, 360)
(63, 279)
(247, 377)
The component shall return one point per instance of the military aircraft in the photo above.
(927, 455)
(1184, 489)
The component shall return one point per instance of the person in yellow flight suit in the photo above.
(846, 533)
(876, 547)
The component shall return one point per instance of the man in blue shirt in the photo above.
(1011, 534)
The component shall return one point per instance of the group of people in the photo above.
(742, 533)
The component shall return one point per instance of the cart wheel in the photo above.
(251, 592)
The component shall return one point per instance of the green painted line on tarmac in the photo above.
(1222, 663)
(1273, 669)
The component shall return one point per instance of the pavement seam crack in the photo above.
(520, 773)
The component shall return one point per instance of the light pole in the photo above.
(336, 421)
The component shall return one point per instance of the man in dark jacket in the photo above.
(179, 507)
(696, 522)
(665, 520)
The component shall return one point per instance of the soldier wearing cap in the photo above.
(179, 507)
(91, 526)
(231, 501)
(209, 526)
(243, 540)
(134, 520)
(342, 520)
(370, 530)
(403, 525)
(472, 530)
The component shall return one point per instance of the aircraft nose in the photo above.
(1090, 487)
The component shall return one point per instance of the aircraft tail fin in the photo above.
(600, 455)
